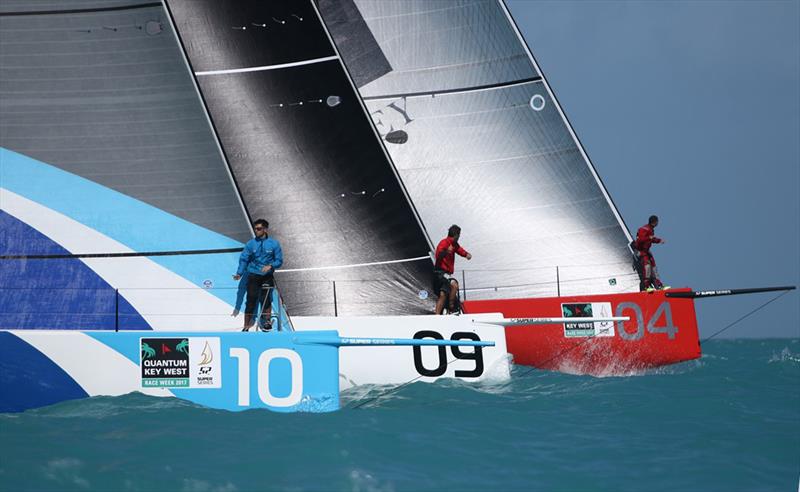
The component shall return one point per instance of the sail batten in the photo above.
(268, 67)
(456, 90)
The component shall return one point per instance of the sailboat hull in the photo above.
(235, 370)
(661, 331)
(399, 365)
(282, 372)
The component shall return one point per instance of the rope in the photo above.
(745, 316)
(127, 254)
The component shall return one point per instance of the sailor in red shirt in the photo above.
(645, 237)
(444, 284)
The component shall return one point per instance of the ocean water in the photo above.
(729, 421)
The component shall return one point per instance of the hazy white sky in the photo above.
(690, 110)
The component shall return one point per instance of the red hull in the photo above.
(661, 331)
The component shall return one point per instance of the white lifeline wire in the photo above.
(355, 265)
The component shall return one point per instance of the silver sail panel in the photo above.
(433, 45)
(478, 140)
(306, 157)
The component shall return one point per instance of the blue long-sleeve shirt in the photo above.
(258, 253)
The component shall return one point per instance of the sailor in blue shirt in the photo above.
(260, 258)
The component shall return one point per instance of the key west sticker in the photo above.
(587, 310)
(192, 362)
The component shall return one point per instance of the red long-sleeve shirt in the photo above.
(645, 237)
(446, 260)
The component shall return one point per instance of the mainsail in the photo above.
(479, 140)
(107, 155)
(305, 156)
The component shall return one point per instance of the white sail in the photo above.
(484, 145)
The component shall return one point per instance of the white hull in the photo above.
(396, 365)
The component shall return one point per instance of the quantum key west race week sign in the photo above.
(190, 362)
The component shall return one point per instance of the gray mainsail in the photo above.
(100, 90)
(479, 140)
(117, 210)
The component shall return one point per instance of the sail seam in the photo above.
(268, 67)
(476, 88)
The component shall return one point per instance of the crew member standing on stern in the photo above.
(444, 285)
(648, 274)
(260, 258)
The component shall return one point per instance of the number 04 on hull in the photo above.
(660, 330)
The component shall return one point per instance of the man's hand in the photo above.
(235, 313)
(469, 256)
(266, 269)
(237, 277)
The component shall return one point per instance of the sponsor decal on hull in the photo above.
(587, 310)
(192, 362)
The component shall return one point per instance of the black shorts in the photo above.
(266, 280)
(441, 282)
(257, 290)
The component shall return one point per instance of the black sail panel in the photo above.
(366, 61)
(306, 157)
(248, 34)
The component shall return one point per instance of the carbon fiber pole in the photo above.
(728, 292)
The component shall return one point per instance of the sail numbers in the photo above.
(476, 354)
(635, 312)
(294, 397)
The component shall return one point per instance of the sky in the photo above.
(690, 110)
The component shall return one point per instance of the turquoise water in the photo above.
(729, 421)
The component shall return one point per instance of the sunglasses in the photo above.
(258, 228)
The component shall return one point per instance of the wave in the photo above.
(785, 355)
